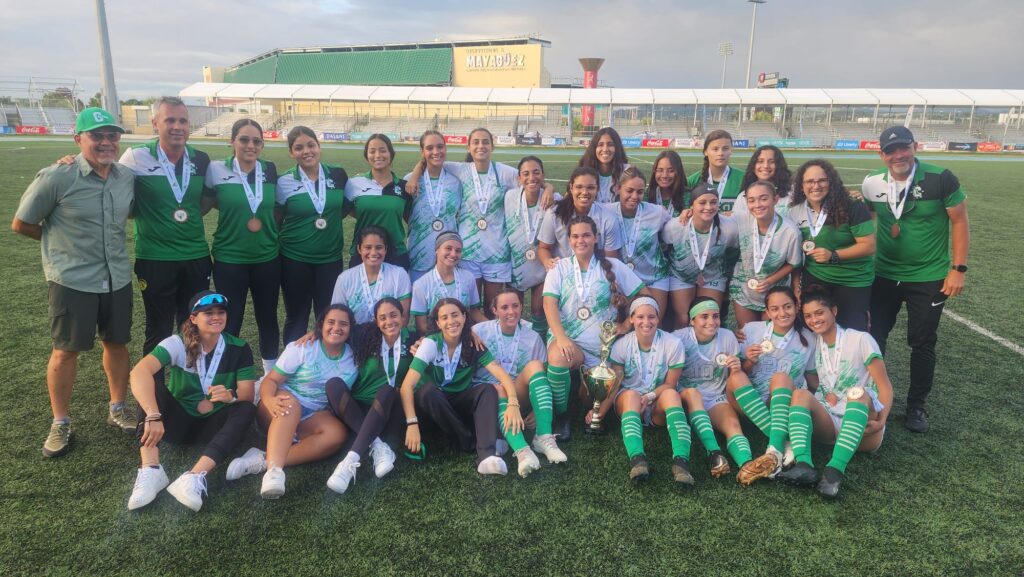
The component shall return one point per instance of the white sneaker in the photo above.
(273, 483)
(188, 489)
(492, 466)
(788, 457)
(253, 462)
(528, 461)
(500, 447)
(148, 483)
(546, 444)
(344, 474)
(383, 458)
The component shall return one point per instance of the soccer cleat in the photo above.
(547, 445)
(120, 418)
(273, 483)
(148, 484)
(383, 458)
(528, 461)
(563, 428)
(188, 489)
(766, 465)
(253, 462)
(916, 420)
(788, 456)
(58, 441)
(500, 447)
(828, 487)
(492, 466)
(719, 464)
(801, 475)
(638, 470)
(681, 472)
(343, 474)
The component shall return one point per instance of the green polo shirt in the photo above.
(301, 240)
(84, 219)
(729, 194)
(429, 362)
(233, 242)
(854, 272)
(372, 375)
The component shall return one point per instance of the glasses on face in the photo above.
(105, 136)
(212, 299)
(820, 183)
(245, 140)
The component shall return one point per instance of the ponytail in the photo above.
(190, 337)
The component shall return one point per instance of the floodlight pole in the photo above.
(110, 102)
(724, 50)
(753, 26)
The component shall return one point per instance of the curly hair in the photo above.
(782, 179)
(566, 209)
(470, 355)
(678, 191)
(370, 335)
(836, 203)
(619, 160)
(318, 329)
(619, 300)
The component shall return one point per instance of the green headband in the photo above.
(703, 306)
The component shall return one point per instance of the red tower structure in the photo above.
(590, 68)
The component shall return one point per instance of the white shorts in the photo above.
(676, 284)
(712, 400)
(647, 417)
(837, 420)
(662, 284)
(498, 272)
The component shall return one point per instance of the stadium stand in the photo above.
(221, 125)
(32, 116)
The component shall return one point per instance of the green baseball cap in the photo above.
(93, 118)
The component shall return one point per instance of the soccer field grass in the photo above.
(945, 503)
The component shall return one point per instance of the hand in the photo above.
(153, 431)
(547, 198)
(820, 255)
(65, 160)
(412, 438)
(304, 339)
(762, 286)
(415, 346)
(646, 401)
(551, 263)
(413, 188)
(478, 343)
(733, 364)
(954, 283)
(221, 394)
(754, 353)
(566, 346)
(281, 405)
(588, 416)
(685, 216)
(856, 194)
(874, 425)
(513, 421)
(831, 399)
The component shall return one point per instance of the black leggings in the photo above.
(304, 284)
(382, 417)
(455, 413)
(853, 302)
(264, 280)
(222, 430)
(166, 288)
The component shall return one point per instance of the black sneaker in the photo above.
(681, 472)
(719, 464)
(638, 470)
(801, 474)
(562, 427)
(916, 420)
(830, 481)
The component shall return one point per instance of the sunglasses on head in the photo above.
(211, 299)
(255, 140)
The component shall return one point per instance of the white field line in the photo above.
(985, 332)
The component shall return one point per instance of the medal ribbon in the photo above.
(450, 364)
(897, 202)
(499, 344)
(761, 247)
(396, 351)
(532, 226)
(435, 197)
(206, 373)
(830, 363)
(721, 183)
(817, 223)
(632, 234)
(254, 198)
(317, 193)
(583, 282)
(701, 258)
(371, 298)
(652, 364)
(168, 166)
(483, 200)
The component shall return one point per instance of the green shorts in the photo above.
(76, 316)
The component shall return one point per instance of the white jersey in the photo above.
(605, 185)
(512, 352)
(794, 359)
(422, 230)
(556, 233)
(701, 370)
(483, 245)
(526, 272)
(352, 289)
(781, 205)
(641, 240)
(643, 371)
(856, 351)
(784, 249)
(682, 261)
(307, 369)
(428, 289)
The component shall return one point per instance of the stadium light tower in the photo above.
(110, 102)
(753, 25)
(724, 50)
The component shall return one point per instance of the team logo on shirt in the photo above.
(917, 192)
(330, 182)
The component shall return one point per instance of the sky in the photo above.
(159, 47)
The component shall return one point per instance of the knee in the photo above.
(532, 368)
(692, 398)
(802, 397)
(336, 388)
(737, 380)
(780, 381)
(333, 435)
(669, 398)
(63, 357)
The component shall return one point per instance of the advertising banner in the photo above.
(583, 141)
(962, 146)
(847, 145)
(990, 147)
(934, 146)
(1013, 147)
(741, 143)
(528, 140)
(870, 145)
(787, 142)
(456, 139)
(6, 130)
(30, 129)
(505, 140)
(337, 136)
(632, 142)
(270, 134)
(656, 142)
(692, 142)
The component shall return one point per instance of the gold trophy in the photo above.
(600, 380)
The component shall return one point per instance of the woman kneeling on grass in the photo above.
(849, 406)
(439, 384)
(294, 403)
(210, 372)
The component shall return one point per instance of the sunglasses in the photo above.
(105, 136)
(256, 140)
(211, 299)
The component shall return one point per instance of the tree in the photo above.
(59, 97)
(96, 101)
(137, 102)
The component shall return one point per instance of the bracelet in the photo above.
(513, 403)
(153, 417)
(411, 421)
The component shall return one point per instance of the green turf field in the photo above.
(945, 503)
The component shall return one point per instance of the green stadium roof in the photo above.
(424, 67)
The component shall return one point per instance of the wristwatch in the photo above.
(834, 259)
(959, 267)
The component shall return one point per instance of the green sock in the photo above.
(540, 398)
(678, 432)
(851, 431)
(632, 433)
(779, 404)
(701, 423)
(559, 380)
(800, 427)
(739, 448)
(516, 441)
(754, 408)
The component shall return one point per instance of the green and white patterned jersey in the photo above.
(421, 232)
(605, 183)
(794, 359)
(300, 239)
(561, 284)
(352, 289)
(430, 361)
(512, 353)
(387, 206)
(643, 371)
(158, 236)
(526, 273)
(233, 242)
(784, 249)
(487, 246)
(308, 368)
(649, 262)
(701, 371)
(428, 289)
(554, 232)
(856, 351)
(682, 264)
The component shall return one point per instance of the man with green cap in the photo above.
(79, 212)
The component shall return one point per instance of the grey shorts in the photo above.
(76, 317)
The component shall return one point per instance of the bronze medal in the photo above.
(204, 406)
(254, 224)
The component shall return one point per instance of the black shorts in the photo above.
(76, 316)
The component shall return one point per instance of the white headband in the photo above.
(641, 301)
